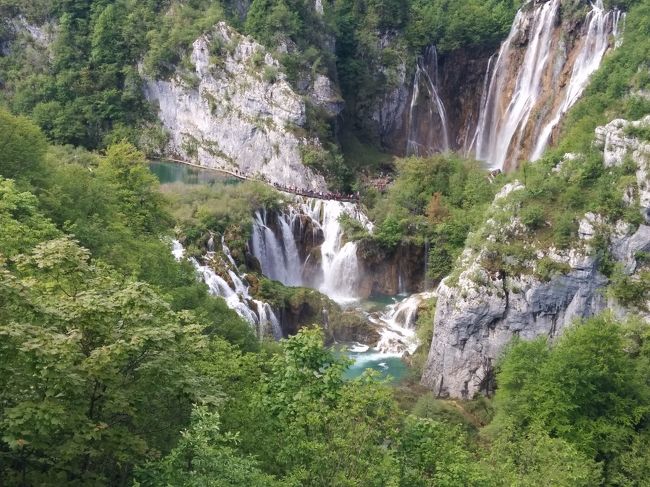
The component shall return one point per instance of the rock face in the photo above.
(618, 143)
(460, 77)
(482, 309)
(233, 110)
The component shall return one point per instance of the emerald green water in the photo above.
(172, 172)
(388, 366)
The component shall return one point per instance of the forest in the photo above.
(118, 364)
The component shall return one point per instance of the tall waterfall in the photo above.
(426, 73)
(274, 245)
(595, 42)
(503, 118)
(526, 97)
(236, 292)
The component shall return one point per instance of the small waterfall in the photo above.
(178, 251)
(426, 71)
(339, 261)
(500, 131)
(258, 313)
(398, 325)
(595, 42)
(278, 254)
(518, 103)
(280, 258)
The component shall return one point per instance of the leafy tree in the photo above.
(536, 459)
(22, 147)
(205, 457)
(585, 391)
(436, 453)
(23, 226)
(97, 371)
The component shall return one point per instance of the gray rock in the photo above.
(226, 114)
(480, 314)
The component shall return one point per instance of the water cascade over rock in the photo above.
(595, 41)
(234, 289)
(398, 325)
(304, 245)
(536, 78)
(428, 129)
(327, 263)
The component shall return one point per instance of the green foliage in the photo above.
(437, 199)
(532, 216)
(454, 24)
(22, 147)
(90, 83)
(547, 268)
(178, 27)
(93, 365)
(587, 391)
(205, 456)
(537, 459)
(629, 290)
(23, 226)
(436, 453)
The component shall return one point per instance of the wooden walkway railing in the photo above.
(322, 195)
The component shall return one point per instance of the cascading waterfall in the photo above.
(426, 70)
(500, 130)
(599, 25)
(278, 254)
(518, 102)
(236, 294)
(398, 325)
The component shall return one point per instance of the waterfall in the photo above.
(178, 251)
(236, 294)
(599, 25)
(426, 70)
(526, 98)
(278, 254)
(398, 325)
(500, 131)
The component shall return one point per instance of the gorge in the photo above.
(325, 243)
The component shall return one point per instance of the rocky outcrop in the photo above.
(232, 109)
(400, 271)
(495, 296)
(618, 141)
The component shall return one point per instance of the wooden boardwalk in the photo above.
(291, 190)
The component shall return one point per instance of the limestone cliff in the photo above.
(231, 108)
(482, 306)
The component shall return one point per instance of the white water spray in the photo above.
(426, 71)
(520, 90)
(236, 294)
(503, 119)
(595, 42)
(277, 251)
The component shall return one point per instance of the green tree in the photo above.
(97, 371)
(205, 456)
(22, 147)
